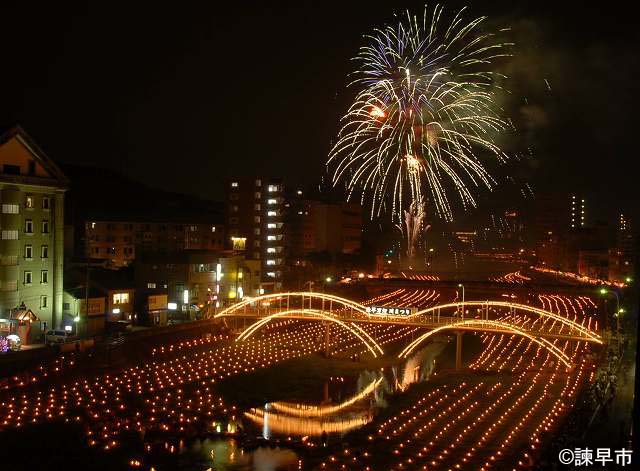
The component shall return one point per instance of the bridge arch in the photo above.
(589, 334)
(317, 315)
(301, 295)
(484, 324)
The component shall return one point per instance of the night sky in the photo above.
(182, 95)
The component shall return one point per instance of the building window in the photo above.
(271, 250)
(258, 182)
(271, 226)
(151, 285)
(120, 298)
(271, 262)
(234, 184)
(272, 188)
(46, 203)
(257, 207)
(10, 208)
(28, 202)
(272, 213)
(9, 235)
(272, 201)
(27, 278)
(256, 219)
(271, 274)
(28, 226)
(234, 208)
(44, 251)
(256, 231)
(257, 195)
(43, 301)
(271, 237)
(256, 243)
(11, 169)
(28, 252)
(213, 228)
(45, 227)
(44, 276)
(66, 306)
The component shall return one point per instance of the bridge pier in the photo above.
(459, 350)
(326, 339)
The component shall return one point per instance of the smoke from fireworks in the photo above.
(424, 116)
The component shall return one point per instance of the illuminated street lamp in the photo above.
(460, 285)
(619, 311)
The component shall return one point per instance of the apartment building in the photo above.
(32, 192)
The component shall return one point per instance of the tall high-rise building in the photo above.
(577, 211)
(32, 191)
(255, 225)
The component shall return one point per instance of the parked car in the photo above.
(53, 337)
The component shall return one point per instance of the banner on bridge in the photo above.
(389, 311)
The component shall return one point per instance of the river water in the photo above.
(351, 405)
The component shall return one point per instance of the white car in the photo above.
(57, 336)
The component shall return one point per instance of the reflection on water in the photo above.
(298, 419)
(225, 455)
(419, 366)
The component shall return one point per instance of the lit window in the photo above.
(151, 285)
(272, 201)
(299, 192)
(271, 262)
(271, 237)
(271, 213)
(28, 203)
(10, 208)
(9, 234)
(120, 298)
(271, 274)
(300, 213)
(234, 184)
(271, 225)
(271, 250)
(213, 228)
(27, 278)
(272, 188)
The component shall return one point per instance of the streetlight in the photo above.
(619, 311)
(460, 285)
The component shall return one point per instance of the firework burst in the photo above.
(425, 114)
